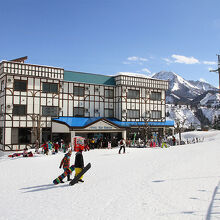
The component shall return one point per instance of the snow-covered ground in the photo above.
(180, 182)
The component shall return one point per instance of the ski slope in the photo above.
(180, 182)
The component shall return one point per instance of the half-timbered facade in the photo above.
(35, 98)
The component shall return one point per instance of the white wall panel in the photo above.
(8, 136)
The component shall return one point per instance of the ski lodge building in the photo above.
(52, 103)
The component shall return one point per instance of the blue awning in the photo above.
(84, 122)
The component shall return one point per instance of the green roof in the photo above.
(89, 78)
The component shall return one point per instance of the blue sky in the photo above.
(110, 36)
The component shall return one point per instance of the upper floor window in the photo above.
(2, 109)
(20, 85)
(133, 114)
(78, 91)
(51, 111)
(78, 111)
(50, 87)
(156, 96)
(109, 113)
(109, 93)
(133, 94)
(155, 114)
(19, 110)
(2, 85)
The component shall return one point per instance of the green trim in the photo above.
(89, 78)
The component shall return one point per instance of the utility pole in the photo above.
(218, 71)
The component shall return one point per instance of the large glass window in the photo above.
(133, 94)
(78, 112)
(19, 110)
(20, 85)
(50, 87)
(155, 114)
(21, 135)
(109, 113)
(109, 93)
(50, 111)
(78, 91)
(156, 96)
(133, 114)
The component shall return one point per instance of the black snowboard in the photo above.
(85, 169)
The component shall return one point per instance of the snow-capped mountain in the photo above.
(181, 90)
(203, 85)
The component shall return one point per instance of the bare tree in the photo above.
(179, 126)
(36, 119)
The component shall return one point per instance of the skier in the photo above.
(79, 163)
(65, 163)
(122, 145)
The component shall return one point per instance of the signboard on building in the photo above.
(101, 125)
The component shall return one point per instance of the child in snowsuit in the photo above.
(65, 163)
(79, 164)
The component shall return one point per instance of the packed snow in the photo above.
(175, 183)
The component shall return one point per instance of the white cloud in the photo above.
(210, 62)
(143, 59)
(133, 58)
(167, 60)
(184, 59)
(146, 70)
(137, 60)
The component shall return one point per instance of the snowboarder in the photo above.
(65, 163)
(122, 145)
(79, 163)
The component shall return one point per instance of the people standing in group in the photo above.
(79, 163)
(56, 147)
(65, 163)
(45, 148)
(122, 145)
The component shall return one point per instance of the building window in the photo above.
(109, 93)
(20, 85)
(155, 114)
(133, 114)
(109, 113)
(78, 112)
(21, 135)
(19, 110)
(78, 91)
(133, 94)
(2, 85)
(51, 111)
(156, 96)
(2, 109)
(1, 135)
(50, 88)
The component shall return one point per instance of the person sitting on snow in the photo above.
(65, 163)
(79, 163)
